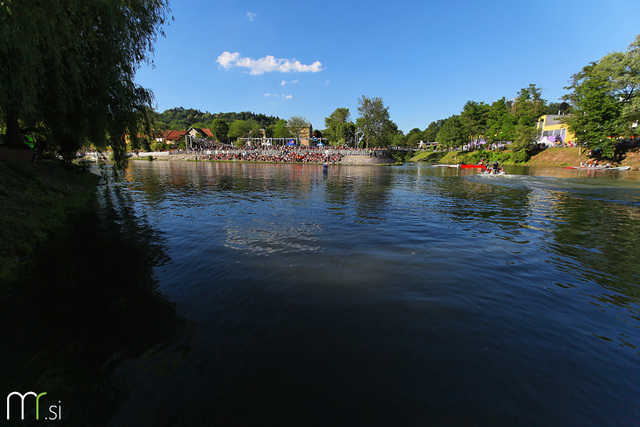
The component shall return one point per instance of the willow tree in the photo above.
(68, 67)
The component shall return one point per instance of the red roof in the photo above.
(172, 135)
(207, 132)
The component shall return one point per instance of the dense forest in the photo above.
(183, 118)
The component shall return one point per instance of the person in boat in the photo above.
(495, 167)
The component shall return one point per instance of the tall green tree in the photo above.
(527, 108)
(597, 112)
(529, 105)
(339, 127)
(452, 133)
(431, 132)
(414, 137)
(501, 124)
(239, 129)
(69, 65)
(220, 129)
(280, 129)
(605, 97)
(474, 118)
(373, 121)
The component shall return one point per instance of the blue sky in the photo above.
(425, 59)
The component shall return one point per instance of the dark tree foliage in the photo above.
(183, 118)
(559, 108)
(431, 132)
(452, 132)
(67, 67)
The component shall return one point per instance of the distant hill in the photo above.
(181, 118)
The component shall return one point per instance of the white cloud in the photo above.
(276, 95)
(283, 83)
(227, 59)
(267, 64)
(251, 15)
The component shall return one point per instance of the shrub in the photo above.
(157, 146)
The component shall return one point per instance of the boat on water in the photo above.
(463, 166)
(493, 172)
(599, 168)
(473, 167)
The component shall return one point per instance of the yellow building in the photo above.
(553, 133)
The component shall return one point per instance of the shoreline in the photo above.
(346, 160)
(552, 157)
(38, 199)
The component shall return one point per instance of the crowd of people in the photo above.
(272, 154)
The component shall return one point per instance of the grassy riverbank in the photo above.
(558, 157)
(36, 199)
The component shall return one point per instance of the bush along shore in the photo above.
(558, 157)
(35, 200)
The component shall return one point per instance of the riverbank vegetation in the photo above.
(36, 199)
(555, 157)
(605, 99)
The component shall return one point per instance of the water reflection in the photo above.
(604, 239)
(412, 296)
(86, 305)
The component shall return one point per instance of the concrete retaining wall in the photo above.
(366, 160)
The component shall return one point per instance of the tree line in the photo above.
(183, 118)
(230, 127)
(602, 108)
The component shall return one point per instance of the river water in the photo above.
(270, 294)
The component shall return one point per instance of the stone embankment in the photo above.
(347, 157)
(367, 160)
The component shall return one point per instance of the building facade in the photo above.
(553, 132)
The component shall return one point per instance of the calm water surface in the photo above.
(246, 294)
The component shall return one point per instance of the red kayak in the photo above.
(473, 166)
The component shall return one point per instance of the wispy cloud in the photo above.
(291, 82)
(251, 16)
(267, 64)
(276, 95)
